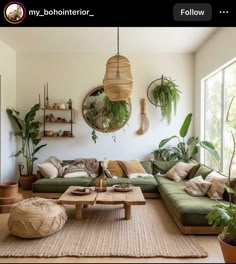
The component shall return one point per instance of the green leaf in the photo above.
(185, 126)
(38, 148)
(164, 141)
(18, 153)
(211, 149)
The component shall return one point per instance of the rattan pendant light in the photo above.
(118, 80)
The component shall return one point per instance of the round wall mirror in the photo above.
(102, 114)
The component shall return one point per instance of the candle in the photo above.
(39, 101)
(47, 94)
(44, 95)
(101, 184)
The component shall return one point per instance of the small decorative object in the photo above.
(101, 181)
(45, 96)
(61, 106)
(66, 133)
(163, 93)
(52, 118)
(69, 104)
(49, 133)
(81, 191)
(123, 187)
(55, 106)
(118, 79)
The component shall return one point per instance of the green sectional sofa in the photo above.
(188, 212)
(53, 188)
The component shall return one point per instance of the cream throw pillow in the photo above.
(48, 170)
(217, 188)
(197, 186)
(179, 171)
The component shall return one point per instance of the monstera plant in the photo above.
(185, 149)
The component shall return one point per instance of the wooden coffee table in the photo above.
(78, 200)
(134, 197)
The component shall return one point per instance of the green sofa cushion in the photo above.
(160, 166)
(59, 185)
(203, 171)
(147, 164)
(193, 171)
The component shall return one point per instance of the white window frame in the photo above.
(202, 108)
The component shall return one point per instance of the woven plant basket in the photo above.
(118, 79)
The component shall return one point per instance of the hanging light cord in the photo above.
(118, 53)
(118, 40)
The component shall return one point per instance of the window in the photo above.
(219, 89)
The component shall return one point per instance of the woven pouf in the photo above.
(36, 217)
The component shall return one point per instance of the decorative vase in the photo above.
(228, 251)
(8, 189)
(26, 181)
(101, 183)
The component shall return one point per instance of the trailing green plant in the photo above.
(166, 95)
(222, 214)
(185, 148)
(116, 112)
(28, 131)
(114, 115)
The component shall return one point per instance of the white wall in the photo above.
(74, 75)
(217, 51)
(8, 99)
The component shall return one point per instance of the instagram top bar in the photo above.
(85, 13)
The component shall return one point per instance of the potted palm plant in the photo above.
(224, 215)
(28, 131)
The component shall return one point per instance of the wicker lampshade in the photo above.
(118, 79)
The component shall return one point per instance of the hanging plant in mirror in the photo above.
(163, 93)
(104, 115)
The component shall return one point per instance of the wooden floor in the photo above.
(209, 243)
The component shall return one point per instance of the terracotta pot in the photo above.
(228, 251)
(12, 199)
(26, 181)
(8, 189)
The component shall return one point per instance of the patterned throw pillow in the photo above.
(197, 186)
(71, 171)
(179, 171)
(218, 185)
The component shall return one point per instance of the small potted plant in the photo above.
(69, 104)
(28, 131)
(224, 214)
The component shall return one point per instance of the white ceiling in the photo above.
(104, 39)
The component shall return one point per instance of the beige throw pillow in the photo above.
(179, 171)
(134, 169)
(48, 170)
(217, 188)
(197, 186)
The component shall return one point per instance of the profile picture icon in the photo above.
(14, 12)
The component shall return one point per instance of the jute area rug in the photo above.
(151, 232)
